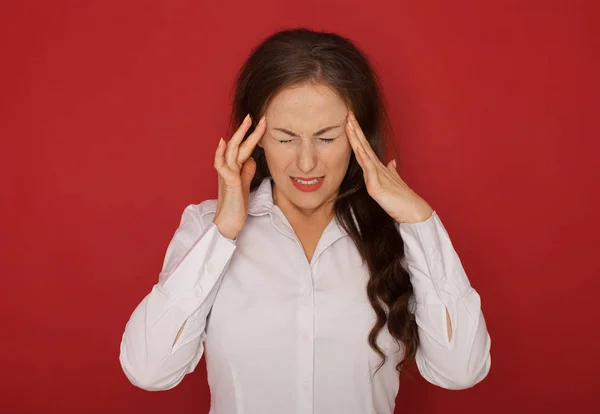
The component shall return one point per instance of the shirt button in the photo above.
(305, 337)
(305, 385)
(306, 291)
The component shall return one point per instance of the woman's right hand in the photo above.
(236, 169)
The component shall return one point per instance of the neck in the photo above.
(323, 212)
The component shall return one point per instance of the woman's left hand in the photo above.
(384, 183)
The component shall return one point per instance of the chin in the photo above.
(310, 201)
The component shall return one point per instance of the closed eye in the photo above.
(328, 140)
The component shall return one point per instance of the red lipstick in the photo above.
(313, 186)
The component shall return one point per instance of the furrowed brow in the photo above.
(319, 132)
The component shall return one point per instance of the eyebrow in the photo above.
(319, 132)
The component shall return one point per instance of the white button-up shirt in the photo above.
(284, 336)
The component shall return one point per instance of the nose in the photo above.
(307, 156)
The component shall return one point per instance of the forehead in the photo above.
(306, 105)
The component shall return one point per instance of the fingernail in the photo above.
(220, 142)
(394, 162)
(350, 125)
(247, 118)
(262, 120)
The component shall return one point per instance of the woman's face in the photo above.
(306, 141)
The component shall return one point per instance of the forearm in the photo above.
(163, 337)
(149, 355)
(454, 342)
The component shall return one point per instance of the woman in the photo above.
(317, 273)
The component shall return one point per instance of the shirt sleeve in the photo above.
(440, 283)
(192, 271)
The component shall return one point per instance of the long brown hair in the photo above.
(299, 56)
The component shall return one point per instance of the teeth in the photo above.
(316, 180)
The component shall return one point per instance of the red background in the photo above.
(110, 113)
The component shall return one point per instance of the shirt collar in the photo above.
(260, 202)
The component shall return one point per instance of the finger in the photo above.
(234, 142)
(369, 164)
(247, 173)
(355, 127)
(225, 173)
(392, 166)
(250, 143)
(355, 144)
(369, 168)
(353, 137)
(219, 158)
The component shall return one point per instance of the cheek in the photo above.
(278, 157)
(337, 155)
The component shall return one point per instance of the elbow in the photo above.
(469, 379)
(457, 371)
(145, 380)
(144, 377)
(148, 384)
(471, 363)
(455, 379)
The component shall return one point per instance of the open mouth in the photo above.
(307, 183)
